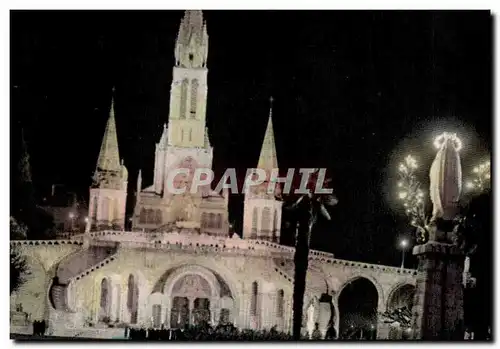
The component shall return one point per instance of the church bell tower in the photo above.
(188, 97)
(108, 193)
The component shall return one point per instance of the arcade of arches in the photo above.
(186, 295)
(359, 306)
(193, 294)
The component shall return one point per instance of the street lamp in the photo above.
(71, 217)
(403, 244)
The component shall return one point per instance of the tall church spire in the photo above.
(108, 193)
(109, 157)
(268, 159)
(164, 138)
(191, 48)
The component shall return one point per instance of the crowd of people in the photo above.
(206, 332)
(39, 328)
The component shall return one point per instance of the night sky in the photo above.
(354, 92)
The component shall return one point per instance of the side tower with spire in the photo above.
(108, 192)
(262, 211)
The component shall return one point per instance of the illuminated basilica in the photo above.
(178, 265)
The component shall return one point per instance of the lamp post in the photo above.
(403, 244)
(72, 217)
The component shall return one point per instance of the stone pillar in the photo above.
(166, 319)
(287, 315)
(325, 314)
(383, 330)
(214, 311)
(312, 317)
(326, 311)
(114, 310)
(124, 312)
(438, 306)
(167, 304)
(191, 308)
(142, 310)
(268, 318)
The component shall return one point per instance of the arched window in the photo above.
(104, 314)
(156, 311)
(201, 310)
(255, 215)
(184, 88)
(158, 217)
(211, 220)
(204, 218)
(95, 203)
(218, 221)
(142, 216)
(116, 213)
(255, 294)
(224, 316)
(105, 210)
(194, 97)
(132, 298)
(150, 216)
(280, 299)
(266, 219)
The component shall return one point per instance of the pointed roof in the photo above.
(191, 48)
(109, 157)
(268, 159)
(207, 140)
(162, 144)
(192, 27)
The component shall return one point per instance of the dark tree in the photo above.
(18, 269)
(24, 209)
(402, 316)
(478, 314)
(17, 231)
(307, 209)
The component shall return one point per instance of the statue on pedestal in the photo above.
(445, 188)
(438, 309)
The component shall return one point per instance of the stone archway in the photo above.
(358, 303)
(191, 299)
(31, 301)
(194, 294)
(401, 296)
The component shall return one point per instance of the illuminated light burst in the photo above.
(481, 177)
(411, 194)
(442, 138)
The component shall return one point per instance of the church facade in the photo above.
(179, 265)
